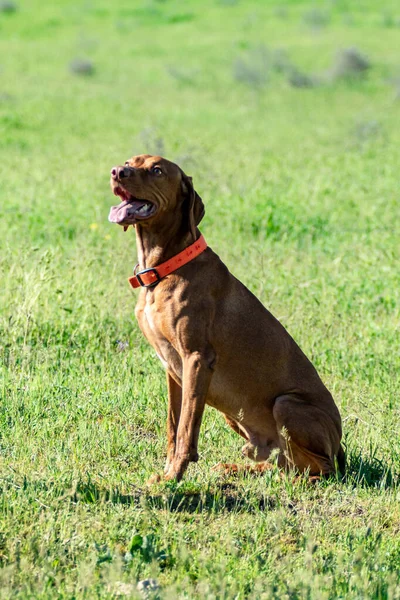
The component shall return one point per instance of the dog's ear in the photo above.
(193, 204)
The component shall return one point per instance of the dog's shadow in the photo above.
(366, 471)
(361, 471)
(369, 471)
(224, 498)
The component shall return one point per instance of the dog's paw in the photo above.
(226, 468)
(156, 478)
(177, 468)
(249, 450)
(173, 475)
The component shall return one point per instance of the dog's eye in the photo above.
(127, 163)
(156, 171)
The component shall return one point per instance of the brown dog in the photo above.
(218, 343)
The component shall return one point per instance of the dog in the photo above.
(219, 345)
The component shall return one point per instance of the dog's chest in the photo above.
(151, 323)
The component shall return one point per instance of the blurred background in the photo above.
(241, 94)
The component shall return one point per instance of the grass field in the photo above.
(297, 158)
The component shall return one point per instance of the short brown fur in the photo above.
(220, 346)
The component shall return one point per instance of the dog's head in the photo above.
(154, 190)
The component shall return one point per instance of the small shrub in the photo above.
(316, 18)
(349, 64)
(81, 66)
(366, 130)
(280, 61)
(253, 69)
(301, 80)
(8, 7)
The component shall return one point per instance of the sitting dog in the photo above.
(219, 345)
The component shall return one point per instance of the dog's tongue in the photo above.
(136, 205)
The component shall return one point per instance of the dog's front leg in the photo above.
(196, 377)
(174, 413)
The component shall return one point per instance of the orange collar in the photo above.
(150, 277)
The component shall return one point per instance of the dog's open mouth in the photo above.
(130, 210)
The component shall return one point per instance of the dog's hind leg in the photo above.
(234, 425)
(309, 436)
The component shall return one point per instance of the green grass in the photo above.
(301, 188)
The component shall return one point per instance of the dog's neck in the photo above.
(154, 248)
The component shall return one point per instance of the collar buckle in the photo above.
(152, 283)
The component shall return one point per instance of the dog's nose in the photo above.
(119, 172)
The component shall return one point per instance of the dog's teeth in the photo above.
(143, 209)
